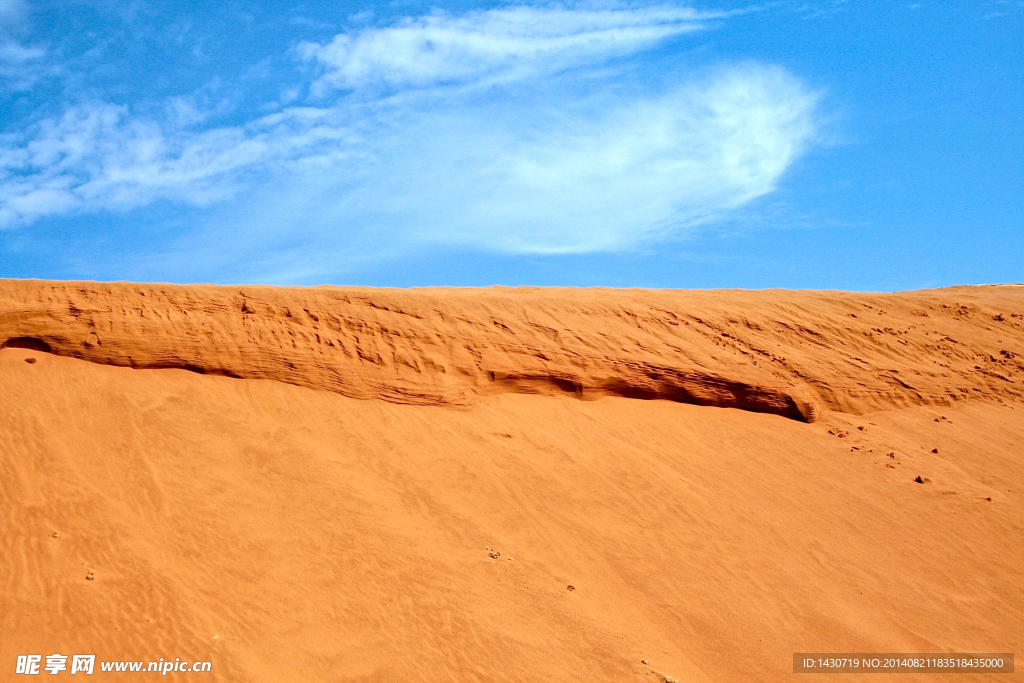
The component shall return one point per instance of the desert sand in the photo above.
(350, 484)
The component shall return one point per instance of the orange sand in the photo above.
(286, 529)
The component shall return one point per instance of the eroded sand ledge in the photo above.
(790, 353)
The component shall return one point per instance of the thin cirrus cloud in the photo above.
(510, 43)
(521, 130)
(98, 156)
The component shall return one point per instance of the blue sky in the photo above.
(827, 145)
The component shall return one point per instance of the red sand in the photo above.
(289, 531)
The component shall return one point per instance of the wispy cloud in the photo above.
(15, 54)
(512, 129)
(97, 156)
(19, 63)
(604, 171)
(511, 43)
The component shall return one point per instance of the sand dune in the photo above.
(259, 513)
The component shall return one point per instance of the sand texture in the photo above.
(787, 353)
(355, 485)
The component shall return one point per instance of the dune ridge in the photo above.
(790, 353)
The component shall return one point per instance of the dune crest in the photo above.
(781, 352)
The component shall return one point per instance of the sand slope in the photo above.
(286, 533)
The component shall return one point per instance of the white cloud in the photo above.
(544, 162)
(97, 156)
(605, 173)
(509, 43)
